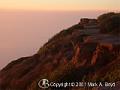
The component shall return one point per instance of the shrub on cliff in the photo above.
(109, 23)
(105, 16)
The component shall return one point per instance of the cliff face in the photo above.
(79, 53)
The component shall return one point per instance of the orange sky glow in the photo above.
(60, 5)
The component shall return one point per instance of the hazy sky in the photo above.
(60, 4)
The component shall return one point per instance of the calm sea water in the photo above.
(23, 33)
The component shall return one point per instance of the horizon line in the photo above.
(33, 10)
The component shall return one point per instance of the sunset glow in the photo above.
(60, 4)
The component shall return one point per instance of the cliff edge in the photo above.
(79, 53)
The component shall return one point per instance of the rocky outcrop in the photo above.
(71, 55)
